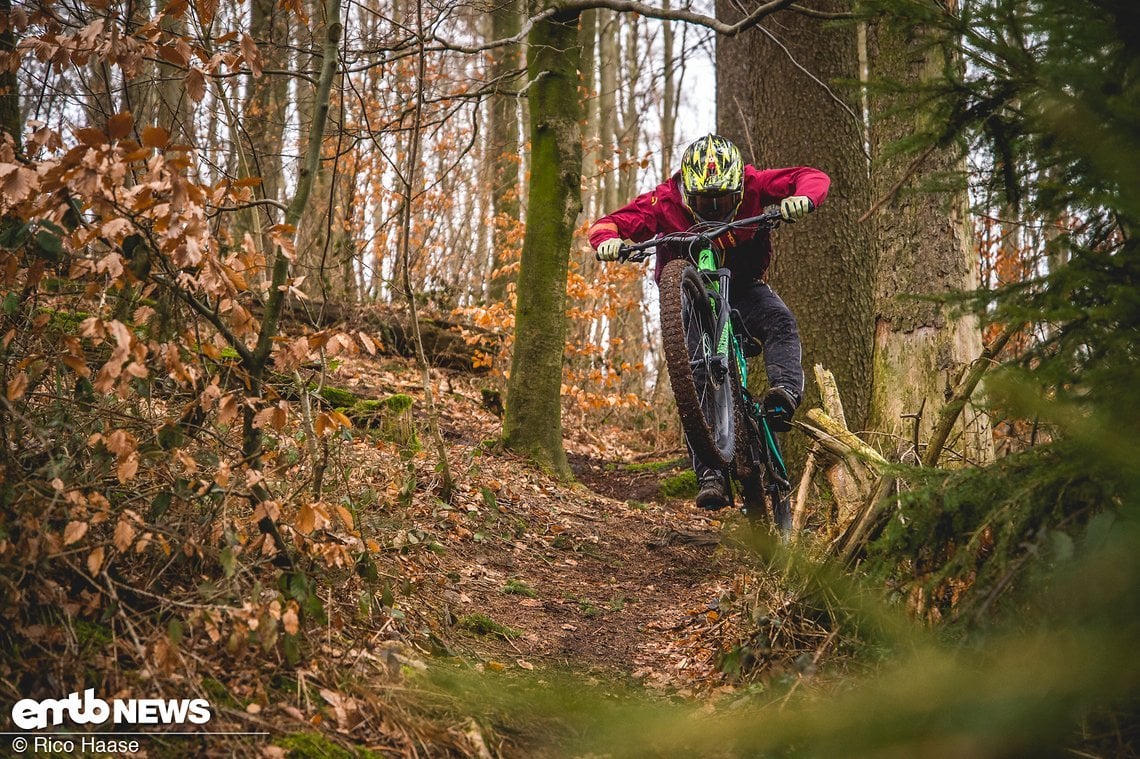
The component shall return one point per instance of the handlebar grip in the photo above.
(623, 255)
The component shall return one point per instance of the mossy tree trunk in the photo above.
(782, 115)
(533, 422)
(926, 253)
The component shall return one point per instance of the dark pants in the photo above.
(768, 319)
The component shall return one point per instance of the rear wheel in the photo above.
(762, 502)
(703, 390)
(767, 505)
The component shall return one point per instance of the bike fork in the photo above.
(718, 297)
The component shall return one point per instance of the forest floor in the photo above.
(521, 574)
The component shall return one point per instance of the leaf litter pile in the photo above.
(518, 575)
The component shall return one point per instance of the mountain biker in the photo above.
(715, 185)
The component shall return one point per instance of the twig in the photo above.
(814, 661)
(567, 7)
(910, 170)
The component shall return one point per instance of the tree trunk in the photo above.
(780, 115)
(322, 217)
(172, 104)
(256, 361)
(11, 122)
(264, 111)
(628, 323)
(629, 132)
(506, 21)
(533, 423)
(924, 241)
(608, 24)
(592, 123)
(668, 97)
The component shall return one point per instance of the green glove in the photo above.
(795, 207)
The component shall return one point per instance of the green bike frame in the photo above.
(709, 264)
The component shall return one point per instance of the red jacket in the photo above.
(747, 253)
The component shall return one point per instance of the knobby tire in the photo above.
(708, 409)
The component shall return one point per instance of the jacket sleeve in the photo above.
(637, 221)
(777, 184)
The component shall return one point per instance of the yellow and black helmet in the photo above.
(712, 178)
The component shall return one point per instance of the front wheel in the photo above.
(703, 390)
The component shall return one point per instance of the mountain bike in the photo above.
(704, 342)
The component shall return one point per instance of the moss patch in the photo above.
(481, 624)
(519, 588)
(219, 694)
(391, 417)
(654, 467)
(336, 397)
(316, 745)
(683, 485)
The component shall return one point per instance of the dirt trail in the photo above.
(594, 583)
(529, 571)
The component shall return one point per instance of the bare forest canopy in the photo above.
(316, 406)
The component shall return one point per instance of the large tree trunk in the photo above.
(533, 423)
(925, 249)
(780, 115)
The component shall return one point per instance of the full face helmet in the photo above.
(712, 178)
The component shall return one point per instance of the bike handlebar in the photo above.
(705, 231)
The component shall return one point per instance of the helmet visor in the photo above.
(715, 206)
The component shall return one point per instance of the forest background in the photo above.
(209, 210)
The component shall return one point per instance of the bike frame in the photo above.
(717, 279)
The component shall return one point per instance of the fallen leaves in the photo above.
(74, 532)
(17, 386)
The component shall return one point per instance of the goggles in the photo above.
(715, 207)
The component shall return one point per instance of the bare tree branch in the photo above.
(813, 13)
(628, 6)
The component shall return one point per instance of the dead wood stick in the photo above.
(799, 513)
(949, 414)
(866, 525)
(848, 442)
(829, 395)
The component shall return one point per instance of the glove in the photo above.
(610, 249)
(779, 405)
(795, 207)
